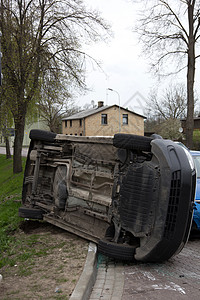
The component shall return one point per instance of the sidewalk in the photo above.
(109, 283)
(24, 151)
(101, 279)
(87, 279)
(177, 278)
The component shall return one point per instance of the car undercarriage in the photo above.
(132, 195)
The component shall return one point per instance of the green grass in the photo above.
(10, 191)
(22, 249)
(28, 254)
(10, 184)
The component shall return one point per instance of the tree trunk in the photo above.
(8, 154)
(190, 81)
(18, 141)
(190, 107)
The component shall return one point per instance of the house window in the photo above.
(70, 121)
(80, 122)
(125, 119)
(65, 123)
(104, 119)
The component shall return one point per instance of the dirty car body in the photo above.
(131, 195)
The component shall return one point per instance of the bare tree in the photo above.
(170, 129)
(171, 103)
(38, 35)
(169, 31)
(53, 99)
(166, 110)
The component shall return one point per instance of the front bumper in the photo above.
(174, 205)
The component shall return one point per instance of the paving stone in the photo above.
(177, 278)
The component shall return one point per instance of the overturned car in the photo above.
(132, 195)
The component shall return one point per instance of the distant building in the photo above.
(39, 124)
(196, 124)
(103, 121)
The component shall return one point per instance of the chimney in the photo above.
(100, 104)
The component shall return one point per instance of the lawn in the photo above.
(9, 184)
(37, 259)
(10, 195)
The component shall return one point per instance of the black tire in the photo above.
(117, 251)
(132, 142)
(60, 192)
(42, 135)
(62, 195)
(122, 155)
(31, 213)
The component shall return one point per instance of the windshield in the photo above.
(197, 164)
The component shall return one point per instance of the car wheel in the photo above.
(132, 142)
(115, 250)
(42, 135)
(31, 213)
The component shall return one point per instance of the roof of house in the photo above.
(86, 113)
(195, 119)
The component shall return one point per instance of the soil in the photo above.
(53, 268)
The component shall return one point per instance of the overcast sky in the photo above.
(124, 70)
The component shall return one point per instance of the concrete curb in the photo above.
(87, 279)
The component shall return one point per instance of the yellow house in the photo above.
(103, 121)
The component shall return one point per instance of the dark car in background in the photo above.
(132, 195)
